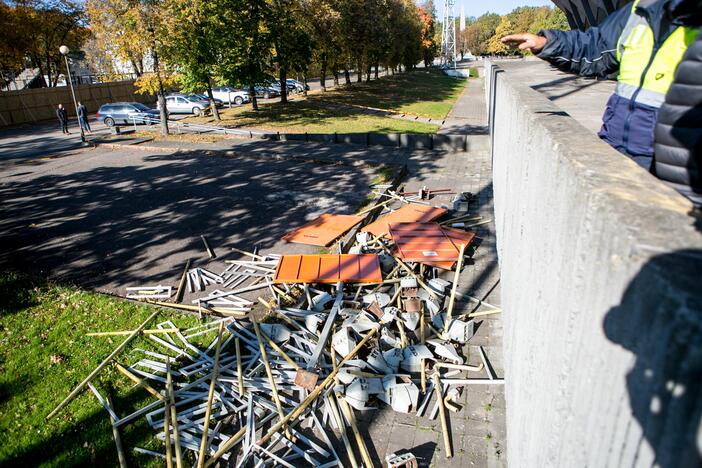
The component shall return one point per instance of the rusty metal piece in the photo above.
(412, 304)
(375, 309)
(306, 379)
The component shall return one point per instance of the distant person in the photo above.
(643, 44)
(83, 117)
(63, 119)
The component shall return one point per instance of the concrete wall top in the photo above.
(601, 269)
(656, 213)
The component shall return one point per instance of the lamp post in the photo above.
(64, 51)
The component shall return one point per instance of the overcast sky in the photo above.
(480, 7)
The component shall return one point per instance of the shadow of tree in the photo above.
(127, 217)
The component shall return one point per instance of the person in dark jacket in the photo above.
(642, 44)
(63, 119)
(678, 134)
(83, 117)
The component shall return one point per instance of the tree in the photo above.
(119, 33)
(478, 34)
(245, 57)
(292, 45)
(427, 17)
(495, 45)
(323, 23)
(34, 30)
(194, 45)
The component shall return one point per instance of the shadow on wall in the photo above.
(660, 321)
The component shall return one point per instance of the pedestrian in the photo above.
(63, 119)
(83, 117)
(642, 43)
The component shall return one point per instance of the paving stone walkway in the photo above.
(469, 114)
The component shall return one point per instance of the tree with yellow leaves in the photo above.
(495, 46)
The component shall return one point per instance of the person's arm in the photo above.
(592, 52)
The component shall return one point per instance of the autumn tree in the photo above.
(194, 44)
(495, 45)
(33, 31)
(427, 17)
(322, 19)
(479, 32)
(292, 46)
(136, 31)
(119, 33)
(245, 59)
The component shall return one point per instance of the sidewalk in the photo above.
(469, 115)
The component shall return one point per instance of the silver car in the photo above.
(182, 104)
(230, 95)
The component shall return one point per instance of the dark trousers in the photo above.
(84, 124)
(64, 126)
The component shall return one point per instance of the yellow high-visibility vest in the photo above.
(645, 74)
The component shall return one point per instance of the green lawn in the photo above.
(309, 115)
(427, 93)
(39, 321)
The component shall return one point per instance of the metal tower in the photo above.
(448, 35)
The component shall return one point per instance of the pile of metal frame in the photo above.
(284, 391)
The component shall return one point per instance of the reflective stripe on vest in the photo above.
(634, 53)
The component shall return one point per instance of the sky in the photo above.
(480, 7)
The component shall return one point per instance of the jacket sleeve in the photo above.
(592, 52)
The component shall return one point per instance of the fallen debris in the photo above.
(343, 333)
(351, 268)
(324, 230)
(410, 213)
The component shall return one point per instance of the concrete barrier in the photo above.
(601, 271)
(455, 143)
(35, 105)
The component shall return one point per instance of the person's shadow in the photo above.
(659, 319)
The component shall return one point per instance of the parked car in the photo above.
(231, 95)
(266, 91)
(297, 86)
(184, 104)
(126, 112)
(203, 97)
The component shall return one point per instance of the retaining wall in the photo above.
(601, 280)
(454, 143)
(34, 105)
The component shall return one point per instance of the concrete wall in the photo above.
(601, 280)
(33, 105)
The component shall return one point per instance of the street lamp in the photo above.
(64, 51)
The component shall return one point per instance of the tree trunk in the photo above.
(323, 75)
(368, 72)
(377, 65)
(304, 84)
(252, 93)
(48, 70)
(359, 72)
(161, 94)
(347, 75)
(336, 75)
(213, 106)
(283, 85)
